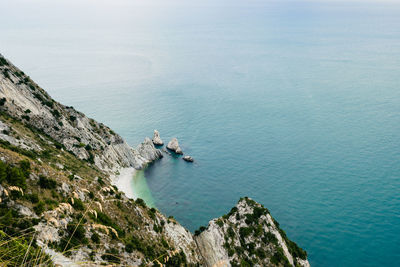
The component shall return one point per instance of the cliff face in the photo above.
(248, 236)
(55, 168)
(84, 137)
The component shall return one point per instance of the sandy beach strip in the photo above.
(124, 181)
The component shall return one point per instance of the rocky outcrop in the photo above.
(148, 151)
(188, 158)
(248, 233)
(70, 129)
(174, 146)
(184, 240)
(157, 139)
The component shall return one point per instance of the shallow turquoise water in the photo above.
(293, 103)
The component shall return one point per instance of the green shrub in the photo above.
(112, 256)
(280, 258)
(199, 231)
(29, 153)
(220, 223)
(55, 113)
(244, 232)
(16, 176)
(25, 166)
(231, 233)
(140, 202)
(95, 238)
(106, 220)
(47, 183)
(3, 62)
(77, 204)
(34, 198)
(177, 260)
(74, 237)
(16, 251)
(39, 208)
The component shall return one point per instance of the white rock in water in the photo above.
(148, 151)
(156, 139)
(188, 158)
(174, 146)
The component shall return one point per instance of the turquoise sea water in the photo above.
(293, 103)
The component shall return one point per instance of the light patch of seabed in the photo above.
(141, 189)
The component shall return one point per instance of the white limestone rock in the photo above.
(157, 139)
(174, 146)
(188, 158)
(110, 151)
(246, 215)
(148, 151)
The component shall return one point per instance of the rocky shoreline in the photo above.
(71, 160)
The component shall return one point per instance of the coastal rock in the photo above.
(183, 239)
(247, 235)
(148, 151)
(71, 130)
(248, 225)
(157, 139)
(174, 146)
(188, 158)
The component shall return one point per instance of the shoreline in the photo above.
(124, 181)
(133, 183)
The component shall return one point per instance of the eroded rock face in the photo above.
(250, 227)
(174, 146)
(148, 151)
(157, 139)
(84, 137)
(183, 239)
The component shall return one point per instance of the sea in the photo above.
(295, 104)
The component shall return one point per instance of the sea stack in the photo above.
(188, 158)
(156, 139)
(174, 146)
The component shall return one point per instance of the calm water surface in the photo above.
(293, 103)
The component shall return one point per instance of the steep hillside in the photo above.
(58, 206)
(248, 236)
(84, 137)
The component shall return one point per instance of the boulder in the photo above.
(148, 151)
(156, 139)
(188, 158)
(174, 146)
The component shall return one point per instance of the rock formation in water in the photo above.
(188, 158)
(174, 146)
(148, 151)
(55, 168)
(157, 139)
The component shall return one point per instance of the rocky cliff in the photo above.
(58, 206)
(248, 236)
(84, 137)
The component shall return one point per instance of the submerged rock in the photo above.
(166, 151)
(157, 139)
(188, 158)
(174, 146)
